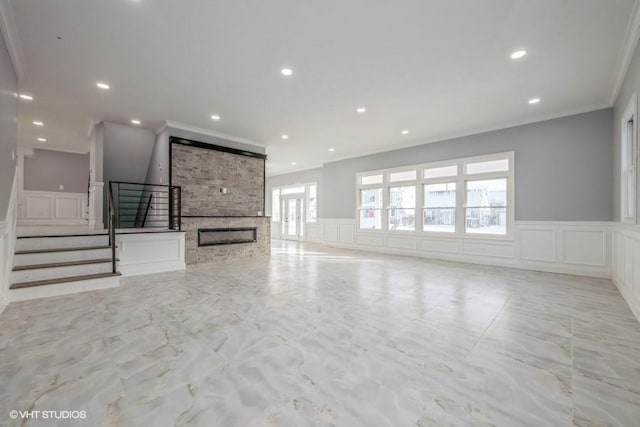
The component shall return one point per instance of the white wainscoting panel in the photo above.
(626, 264)
(583, 247)
(580, 248)
(537, 244)
(54, 208)
(144, 253)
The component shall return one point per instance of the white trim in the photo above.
(10, 34)
(8, 243)
(625, 264)
(145, 253)
(630, 113)
(537, 245)
(188, 128)
(45, 208)
(627, 51)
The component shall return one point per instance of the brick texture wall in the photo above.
(202, 173)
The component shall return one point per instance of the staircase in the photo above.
(46, 266)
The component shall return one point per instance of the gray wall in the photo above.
(158, 172)
(630, 86)
(563, 168)
(46, 170)
(126, 152)
(8, 127)
(302, 177)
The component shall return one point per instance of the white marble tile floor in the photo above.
(319, 336)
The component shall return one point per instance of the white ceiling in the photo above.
(439, 68)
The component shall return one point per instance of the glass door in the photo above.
(293, 221)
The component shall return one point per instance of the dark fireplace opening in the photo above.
(226, 236)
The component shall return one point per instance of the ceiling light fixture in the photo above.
(534, 101)
(286, 72)
(405, 132)
(284, 136)
(215, 117)
(103, 86)
(518, 54)
(361, 110)
(135, 122)
(38, 123)
(293, 163)
(26, 97)
(332, 150)
(42, 139)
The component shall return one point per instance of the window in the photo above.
(371, 208)
(629, 163)
(439, 213)
(312, 203)
(486, 207)
(402, 208)
(471, 196)
(441, 172)
(275, 205)
(292, 190)
(372, 179)
(402, 176)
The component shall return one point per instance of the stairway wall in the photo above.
(7, 244)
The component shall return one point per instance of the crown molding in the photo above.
(10, 34)
(632, 35)
(188, 128)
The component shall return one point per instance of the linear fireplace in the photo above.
(226, 236)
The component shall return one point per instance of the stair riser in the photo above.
(58, 272)
(51, 257)
(63, 289)
(32, 243)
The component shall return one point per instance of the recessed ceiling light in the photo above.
(42, 139)
(361, 110)
(135, 122)
(518, 54)
(215, 117)
(103, 86)
(38, 123)
(26, 97)
(332, 149)
(534, 100)
(284, 136)
(405, 132)
(293, 163)
(286, 71)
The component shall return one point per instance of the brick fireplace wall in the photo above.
(203, 173)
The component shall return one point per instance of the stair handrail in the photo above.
(112, 229)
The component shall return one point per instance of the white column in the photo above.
(96, 190)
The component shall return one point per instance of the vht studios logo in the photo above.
(48, 415)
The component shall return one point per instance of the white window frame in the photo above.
(303, 194)
(629, 163)
(461, 189)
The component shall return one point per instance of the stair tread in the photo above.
(59, 280)
(62, 264)
(78, 248)
(63, 235)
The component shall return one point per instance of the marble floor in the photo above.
(321, 336)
